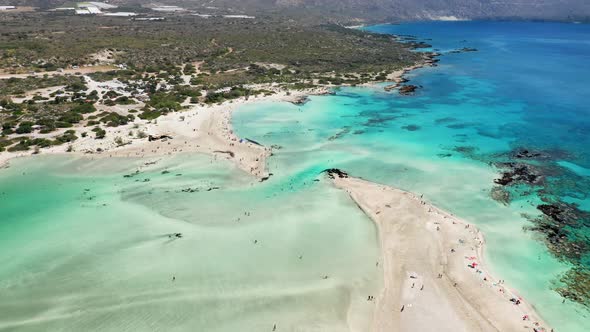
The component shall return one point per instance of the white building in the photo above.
(223, 90)
(100, 5)
(239, 16)
(168, 9)
(121, 14)
(93, 10)
(88, 10)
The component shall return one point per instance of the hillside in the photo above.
(371, 10)
(428, 9)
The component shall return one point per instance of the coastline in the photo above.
(428, 284)
(201, 129)
(473, 305)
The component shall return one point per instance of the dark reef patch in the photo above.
(407, 90)
(411, 127)
(339, 134)
(468, 150)
(461, 125)
(464, 50)
(445, 120)
(379, 121)
(501, 195)
(562, 226)
(519, 173)
(558, 224)
(335, 172)
(575, 285)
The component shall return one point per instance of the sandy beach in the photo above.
(430, 280)
(199, 129)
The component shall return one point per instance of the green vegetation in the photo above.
(19, 86)
(99, 133)
(235, 92)
(113, 119)
(84, 108)
(118, 74)
(166, 101)
(25, 143)
(148, 114)
(173, 44)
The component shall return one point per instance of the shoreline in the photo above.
(214, 120)
(474, 305)
(426, 255)
(203, 129)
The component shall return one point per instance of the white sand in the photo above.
(201, 129)
(416, 240)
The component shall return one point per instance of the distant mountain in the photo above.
(428, 9)
(376, 10)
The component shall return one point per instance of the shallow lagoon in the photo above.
(85, 248)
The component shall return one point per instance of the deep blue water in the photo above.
(538, 72)
(541, 66)
(525, 88)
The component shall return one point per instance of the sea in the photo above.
(190, 242)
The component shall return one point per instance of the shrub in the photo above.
(84, 108)
(99, 133)
(149, 114)
(71, 117)
(24, 127)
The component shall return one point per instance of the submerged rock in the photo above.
(519, 173)
(299, 101)
(560, 224)
(499, 194)
(411, 127)
(339, 134)
(535, 154)
(335, 172)
(159, 138)
(407, 90)
(464, 50)
(576, 285)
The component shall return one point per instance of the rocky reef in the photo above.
(519, 173)
(299, 101)
(575, 285)
(562, 226)
(411, 127)
(464, 50)
(406, 90)
(335, 172)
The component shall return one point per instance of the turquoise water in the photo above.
(526, 87)
(86, 248)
